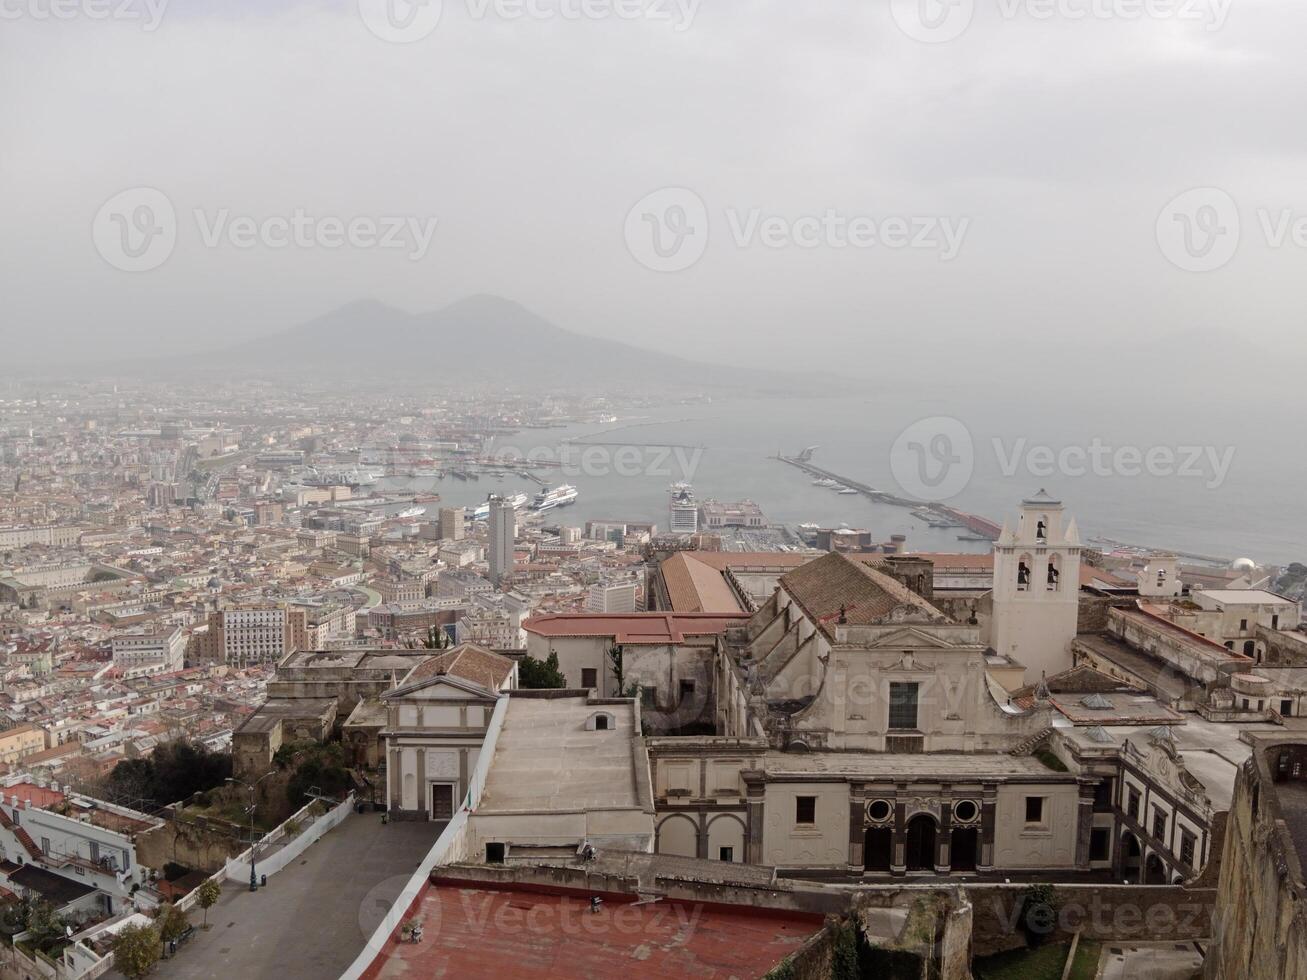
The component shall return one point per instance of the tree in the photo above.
(617, 660)
(208, 897)
(171, 922)
(136, 950)
(175, 771)
(437, 639)
(537, 675)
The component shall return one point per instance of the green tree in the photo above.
(44, 925)
(208, 897)
(314, 767)
(617, 660)
(437, 639)
(537, 675)
(171, 922)
(136, 950)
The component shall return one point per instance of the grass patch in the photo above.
(1086, 965)
(1043, 963)
(1047, 757)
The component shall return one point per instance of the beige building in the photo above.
(243, 635)
(19, 742)
(436, 720)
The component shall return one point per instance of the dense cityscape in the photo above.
(236, 625)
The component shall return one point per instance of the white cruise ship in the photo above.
(554, 497)
(683, 509)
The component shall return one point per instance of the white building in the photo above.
(140, 654)
(1036, 588)
(611, 597)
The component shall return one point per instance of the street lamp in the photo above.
(254, 884)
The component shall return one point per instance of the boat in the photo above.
(550, 498)
(847, 490)
(412, 512)
(825, 482)
(518, 500)
(481, 512)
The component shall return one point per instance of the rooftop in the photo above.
(934, 766)
(481, 932)
(635, 628)
(546, 759)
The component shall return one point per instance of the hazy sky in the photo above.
(1032, 159)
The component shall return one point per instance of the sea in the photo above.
(1219, 488)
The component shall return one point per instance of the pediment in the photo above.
(441, 688)
(910, 637)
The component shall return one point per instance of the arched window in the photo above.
(1024, 564)
(1054, 576)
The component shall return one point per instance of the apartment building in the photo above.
(149, 652)
(244, 635)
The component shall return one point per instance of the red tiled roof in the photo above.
(649, 628)
(472, 933)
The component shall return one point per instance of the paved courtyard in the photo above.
(314, 917)
(1150, 961)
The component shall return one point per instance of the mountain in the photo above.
(477, 338)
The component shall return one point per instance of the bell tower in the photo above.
(1036, 596)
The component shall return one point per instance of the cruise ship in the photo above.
(412, 512)
(683, 509)
(482, 511)
(554, 497)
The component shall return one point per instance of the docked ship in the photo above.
(412, 512)
(683, 509)
(481, 512)
(553, 497)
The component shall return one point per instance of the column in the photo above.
(944, 845)
(988, 820)
(899, 856)
(857, 826)
(1085, 825)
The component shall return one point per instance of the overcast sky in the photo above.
(1031, 147)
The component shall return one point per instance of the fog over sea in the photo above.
(1241, 497)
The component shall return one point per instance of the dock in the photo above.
(947, 516)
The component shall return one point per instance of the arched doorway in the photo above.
(1154, 871)
(878, 849)
(964, 844)
(921, 843)
(1130, 858)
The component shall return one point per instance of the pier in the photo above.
(950, 516)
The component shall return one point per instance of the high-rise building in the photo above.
(502, 531)
(451, 523)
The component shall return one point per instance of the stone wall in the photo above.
(1107, 913)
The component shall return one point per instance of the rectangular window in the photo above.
(1187, 843)
(726, 854)
(45, 845)
(1034, 809)
(1243, 626)
(1286, 708)
(1159, 823)
(805, 809)
(1275, 622)
(687, 688)
(902, 706)
(1100, 839)
(1103, 796)
(589, 677)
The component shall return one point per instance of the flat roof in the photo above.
(634, 628)
(932, 766)
(1237, 597)
(546, 760)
